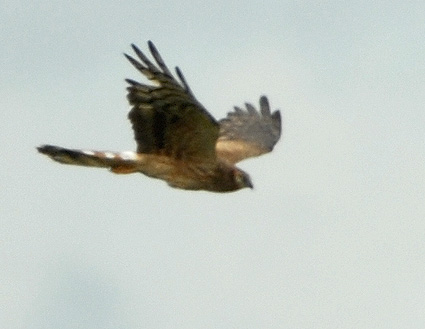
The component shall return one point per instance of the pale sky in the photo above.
(332, 236)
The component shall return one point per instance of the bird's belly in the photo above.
(177, 173)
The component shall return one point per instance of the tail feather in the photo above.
(87, 158)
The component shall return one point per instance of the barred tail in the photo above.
(118, 162)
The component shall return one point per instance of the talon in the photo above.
(123, 169)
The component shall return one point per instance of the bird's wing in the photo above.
(167, 118)
(248, 133)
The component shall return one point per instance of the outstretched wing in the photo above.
(248, 133)
(167, 119)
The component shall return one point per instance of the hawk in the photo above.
(178, 140)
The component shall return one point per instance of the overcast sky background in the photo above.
(333, 234)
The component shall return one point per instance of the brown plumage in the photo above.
(177, 138)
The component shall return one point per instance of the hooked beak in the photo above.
(248, 183)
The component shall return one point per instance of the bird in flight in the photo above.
(178, 140)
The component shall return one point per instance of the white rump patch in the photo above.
(128, 155)
(109, 155)
(87, 152)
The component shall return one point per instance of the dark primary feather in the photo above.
(167, 118)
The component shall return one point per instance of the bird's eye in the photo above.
(239, 178)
